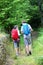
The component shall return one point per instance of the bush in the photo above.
(40, 61)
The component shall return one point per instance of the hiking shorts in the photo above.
(16, 44)
(27, 39)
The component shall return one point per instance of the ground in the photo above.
(22, 59)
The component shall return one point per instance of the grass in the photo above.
(37, 51)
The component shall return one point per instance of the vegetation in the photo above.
(13, 12)
(37, 52)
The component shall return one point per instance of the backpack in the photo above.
(26, 29)
(14, 34)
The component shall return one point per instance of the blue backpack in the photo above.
(26, 29)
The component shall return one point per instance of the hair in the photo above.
(23, 21)
(15, 26)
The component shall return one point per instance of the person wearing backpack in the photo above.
(26, 31)
(15, 34)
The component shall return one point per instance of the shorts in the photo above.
(16, 44)
(27, 40)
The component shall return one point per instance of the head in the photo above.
(23, 21)
(15, 26)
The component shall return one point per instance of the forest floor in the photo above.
(22, 59)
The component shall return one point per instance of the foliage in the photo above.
(40, 61)
(14, 11)
(37, 51)
(39, 3)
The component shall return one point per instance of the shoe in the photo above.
(30, 52)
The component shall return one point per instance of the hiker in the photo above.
(26, 31)
(15, 34)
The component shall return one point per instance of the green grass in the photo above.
(37, 52)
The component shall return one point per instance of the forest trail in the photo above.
(22, 59)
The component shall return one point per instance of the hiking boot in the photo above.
(30, 52)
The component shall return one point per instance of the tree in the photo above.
(14, 11)
(38, 3)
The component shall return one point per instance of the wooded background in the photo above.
(14, 11)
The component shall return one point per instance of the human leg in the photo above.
(26, 46)
(16, 45)
(30, 44)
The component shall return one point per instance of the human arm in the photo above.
(22, 29)
(30, 28)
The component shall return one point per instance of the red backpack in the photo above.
(14, 34)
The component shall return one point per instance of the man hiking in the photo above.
(26, 31)
(15, 34)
